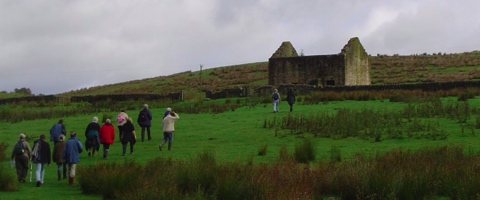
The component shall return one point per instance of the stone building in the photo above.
(350, 67)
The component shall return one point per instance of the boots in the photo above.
(169, 146)
(59, 174)
(105, 153)
(64, 172)
(70, 180)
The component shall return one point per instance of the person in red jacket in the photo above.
(107, 136)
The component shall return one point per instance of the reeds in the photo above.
(434, 172)
(415, 120)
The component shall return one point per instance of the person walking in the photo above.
(107, 136)
(57, 158)
(92, 142)
(276, 100)
(144, 120)
(71, 155)
(128, 136)
(165, 114)
(168, 128)
(21, 154)
(121, 120)
(43, 158)
(290, 98)
(57, 130)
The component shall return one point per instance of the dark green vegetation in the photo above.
(379, 149)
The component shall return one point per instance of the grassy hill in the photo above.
(252, 74)
(385, 70)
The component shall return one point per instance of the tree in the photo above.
(23, 90)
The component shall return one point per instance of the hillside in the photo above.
(252, 74)
(384, 70)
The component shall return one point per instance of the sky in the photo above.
(55, 46)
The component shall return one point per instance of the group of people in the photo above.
(277, 99)
(66, 154)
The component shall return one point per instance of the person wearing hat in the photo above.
(71, 155)
(57, 157)
(144, 120)
(21, 159)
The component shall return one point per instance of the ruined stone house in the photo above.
(349, 67)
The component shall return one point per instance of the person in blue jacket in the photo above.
(144, 120)
(71, 155)
(57, 130)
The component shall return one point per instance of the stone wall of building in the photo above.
(350, 67)
(311, 70)
(357, 63)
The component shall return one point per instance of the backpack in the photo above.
(275, 96)
(18, 148)
(143, 117)
(36, 148)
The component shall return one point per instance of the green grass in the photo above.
(233, 136)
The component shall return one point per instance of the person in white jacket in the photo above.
(168, 128)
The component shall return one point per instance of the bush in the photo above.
(8, 179)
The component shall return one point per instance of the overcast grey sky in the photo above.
(54, 46)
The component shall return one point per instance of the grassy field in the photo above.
(233, 136)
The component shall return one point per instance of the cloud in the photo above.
(56, 46)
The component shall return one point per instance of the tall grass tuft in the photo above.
(335, 154)
(109, 179)
(3, 151)
(198, 175)
(262, 150)
(449, 172)
(305, 151)
(8, 179)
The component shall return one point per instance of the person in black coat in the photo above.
(128, 136)
(144, 120)
(44, 155)
(290, 98)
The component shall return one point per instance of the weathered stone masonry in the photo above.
(350, 67)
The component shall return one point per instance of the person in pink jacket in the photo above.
(107, 136)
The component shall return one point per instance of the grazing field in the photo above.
(240, 134)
